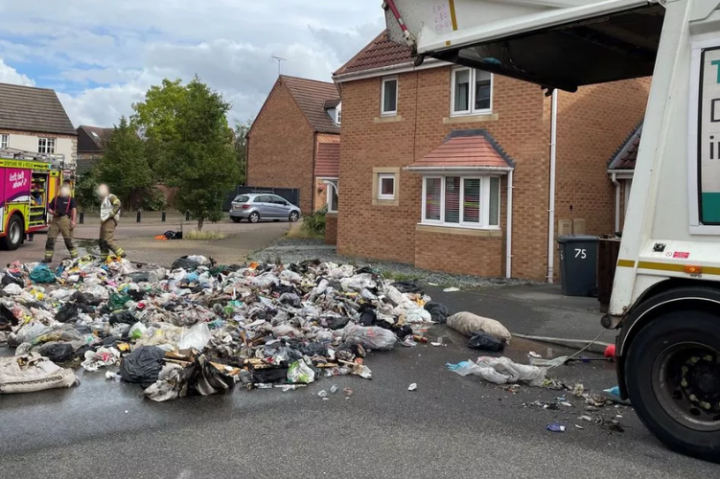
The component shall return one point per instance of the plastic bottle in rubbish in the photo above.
(341, 371)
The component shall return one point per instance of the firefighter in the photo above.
(109, 216)
(64, 214)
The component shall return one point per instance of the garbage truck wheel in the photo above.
(673, 379)
(254, 217)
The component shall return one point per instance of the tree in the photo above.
(156, 117)
(240, 145)
(203, 162)
(124, 165)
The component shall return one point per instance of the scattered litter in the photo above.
(323, 394)
(512, 388)
(586, 418)
(348, 392)
(468, 324)
(487, 342)
(201, 328)
(500, 371)
(556, 427)
(578, 390)
(412, 387)
(579, 426)
(451, 290)
(566, 404)
(533, 354)
(595, 400)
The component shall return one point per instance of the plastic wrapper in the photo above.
(299, 372)
(137, 330)
(95, 360)
(31, 373)
(418, 315)
(500, 371)
(358, 282)
(468, 324)
(371, 337)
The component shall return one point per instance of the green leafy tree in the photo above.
(203, 163)
(156, 117)
(124, 165)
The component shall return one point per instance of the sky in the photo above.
(102, 56)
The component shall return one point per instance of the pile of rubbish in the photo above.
(200, 328)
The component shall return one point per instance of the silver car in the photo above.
(262, 206)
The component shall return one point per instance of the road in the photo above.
(451, 427)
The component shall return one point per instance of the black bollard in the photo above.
(138, 217)
(82, 218)
(163, 217)
(187, 216)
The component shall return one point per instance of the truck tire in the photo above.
(673, 380)
(15, 234)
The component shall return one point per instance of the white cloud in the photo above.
(102, 56)
(9, 75)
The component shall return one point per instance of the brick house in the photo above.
(294, 141)
(90, 146)
(33, 120)
(621, 169)
(428, 154)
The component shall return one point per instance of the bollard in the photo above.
(138, 217)
(163, 217)
(187, 216)
(82, 218)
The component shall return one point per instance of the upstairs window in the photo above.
(46, 146)
(388, 103)
(3, 141)
(471, 92)
(469, 202)
(386, 187)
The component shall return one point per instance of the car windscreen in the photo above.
(241, 199)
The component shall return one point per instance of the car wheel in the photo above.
(236, 220)
(15, 233)
(254, 217)
(294, 216)
(673, 380)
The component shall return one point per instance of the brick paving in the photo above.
(242, 240)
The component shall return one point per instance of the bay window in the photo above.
(471, 91)
(461, 201)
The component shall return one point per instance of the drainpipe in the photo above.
(551, 201)
(508, 226)
(617, 201)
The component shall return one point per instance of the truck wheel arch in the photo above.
(668, 296)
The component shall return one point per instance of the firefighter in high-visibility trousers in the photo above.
(109, 216)
(64, 215)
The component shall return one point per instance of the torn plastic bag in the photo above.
(137, 330)
(468, 324)
(299, 372)
(291, 276)
(368, 316)
(7, 318)
(269, 375)
(123, 317)
(438, 311)
(57, 352)
(487, 373)
(196, 337)
(67, 313)
(358, 283)
(501, 371)
(13, 289)
(31, 373)
(335, 322)
(95, 360)
(172, 383)
(186, 263)
(286, 330)
(486, 342)
(291, 299)
(417, 315)
(371, 337)
(212, 378)
(142, 365)
(9, 279)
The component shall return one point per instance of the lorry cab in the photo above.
(666, 290)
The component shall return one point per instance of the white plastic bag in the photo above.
(196, 337)
(290, 276)
(299, 372)
(487, 373)
(468, 324)
(137, 330)
(418, 315)
(358, 282)
(500, 371)
(103, 357)
(371, 337)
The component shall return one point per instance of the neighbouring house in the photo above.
(294, 141)
(621, 169)
(449, 168)
(90, 147)
(33, 120)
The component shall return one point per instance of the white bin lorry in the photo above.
(666, 292)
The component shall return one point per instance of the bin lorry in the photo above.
(666, 291)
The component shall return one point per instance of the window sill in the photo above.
(471, 118)
(377, 202)
(459, 230)
(388, 119)
(331, 214)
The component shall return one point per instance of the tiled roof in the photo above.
(625, 157)
(25, 108)
(331, 103)
(381, 52)
(311, 96)
(97, 135)
(327, 161)
(466, 148)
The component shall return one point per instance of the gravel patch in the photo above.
(299, 242)
(388, 269)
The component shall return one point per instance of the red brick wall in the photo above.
(281, 147)
(331, 228)
(388, 232)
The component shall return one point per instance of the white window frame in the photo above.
(331, 184)
(382, 96)
(484, 204)
(471, 94)
(380, 178)
(48, 148)
(4, 141)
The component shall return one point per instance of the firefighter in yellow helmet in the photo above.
(109, 215)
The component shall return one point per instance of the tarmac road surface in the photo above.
(450, 427)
